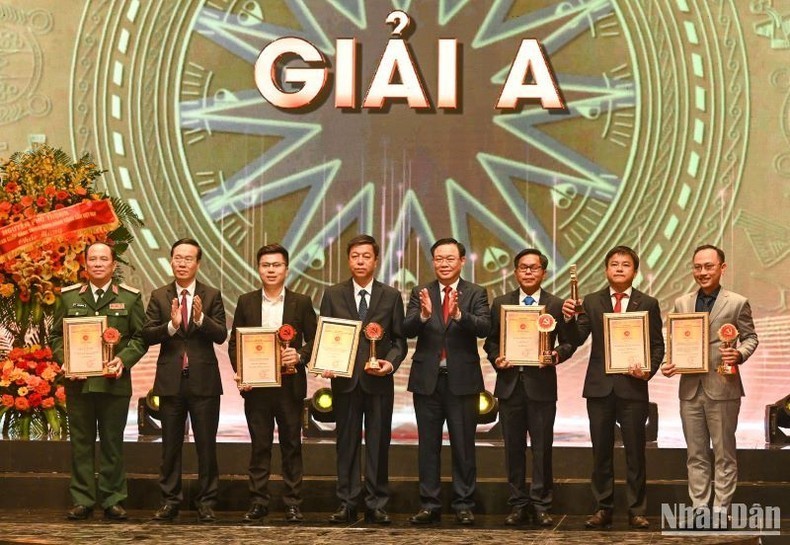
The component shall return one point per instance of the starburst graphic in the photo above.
(497, 182)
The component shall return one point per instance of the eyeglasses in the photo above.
(533, 268)
(188, 260)
(707, 267)
(272, 265)
(449, 260)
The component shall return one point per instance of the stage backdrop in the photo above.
(676, 134)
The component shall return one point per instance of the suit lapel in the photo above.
(257, 312)
(721, 302)
(375, 297)
(289, 307)
(351, 302)
(436, 302)
(606, 300)
(634, 301)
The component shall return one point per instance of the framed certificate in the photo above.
(258, 357)
(687, 341)
(83, 348)
(519, 339)
(626, 338)
(335, 347)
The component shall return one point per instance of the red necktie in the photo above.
(184, 324)
(618, 307)
(446, 314)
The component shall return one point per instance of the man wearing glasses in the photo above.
(187, 318)
(271, 306)
(710, 402)
(528, 395)
(447, 316)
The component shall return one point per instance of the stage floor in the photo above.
(50, 527)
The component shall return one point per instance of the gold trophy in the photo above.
(286, 334)
(546, 324)
(728, 335)
(373, 332)
(575, 290)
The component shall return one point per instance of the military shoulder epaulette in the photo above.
(69, 288)
(129, 288)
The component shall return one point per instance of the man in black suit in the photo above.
(617, 398)
(187, 318)
(272, 306)
(447, 315)
(528, 395)
(369, 392)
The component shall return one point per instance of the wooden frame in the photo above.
(83, 346)
(521, 322)
(688, 341)
(626, 341)
(335, 346)
(258, 357)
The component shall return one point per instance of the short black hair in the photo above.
(191, 242)
(544, 261)
(274, 248)
(359, 240)
(718, 250)
(622, 250)
(443, 241)
(108, 243)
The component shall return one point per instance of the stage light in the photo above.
(488, 408)
(148, 415)
(777, 417)
(488, 428)
(319, 414)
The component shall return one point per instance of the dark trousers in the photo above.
(264, 406)
(376, 409)
(89, 413)
(520, 416)
(203, 414)
(632, 416)
(460, 412)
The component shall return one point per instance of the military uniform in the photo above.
(100, 403)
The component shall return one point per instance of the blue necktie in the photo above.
(528, 300)
(363, 305)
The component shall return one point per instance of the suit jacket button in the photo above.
(97, 313)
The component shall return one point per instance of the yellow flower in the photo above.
(22, 391)
(4, 383)
(7, 290)
(49, 298)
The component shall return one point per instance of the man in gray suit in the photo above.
(710, 402)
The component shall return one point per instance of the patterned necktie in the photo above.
(99, 293)
(618, 307)
(363, 305)
(184, 323)
(528, 300)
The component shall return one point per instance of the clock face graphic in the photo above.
(649, 152)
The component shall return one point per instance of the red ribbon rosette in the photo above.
(374, 331)
(111, 336)
(286, 333)
(546, 323)
(728, 333)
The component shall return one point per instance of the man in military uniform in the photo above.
(100, 403)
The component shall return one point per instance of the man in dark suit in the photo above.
(710, 402)
(187, 318)
(528, 395)
(617, 398)
(272, 306)
(369, 392)
(447, 315)
(100, 403)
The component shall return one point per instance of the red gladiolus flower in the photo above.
(21, 404)
(61, 195)
(60, 394)
(11, 187)
(5, 206)
(41, 202)
(8, 400)
(43, 388)
(34, 399)
(50, 190)
(26, 201)
(48, 402)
